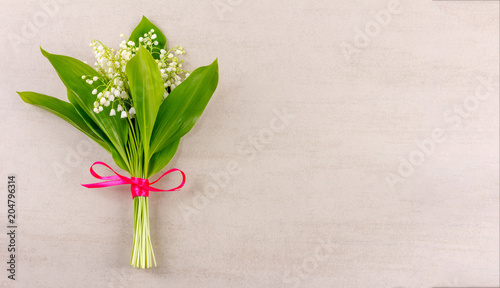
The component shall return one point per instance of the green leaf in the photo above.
(119, 160)
(161, 158)
(70, 70)
(144, 27)
(97, 130)
(64, 110)
(90, 123)
(146, 88)
(182, 108)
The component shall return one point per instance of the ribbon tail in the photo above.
(105, 184)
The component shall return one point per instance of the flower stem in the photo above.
(142, 252)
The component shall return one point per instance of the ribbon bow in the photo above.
(139, 186)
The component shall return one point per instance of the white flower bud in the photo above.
(112, 112)
(111, 98)
(124, 114)
(119, 108)
(100, 108)
(94, 91)
(95, 78)
(131, 111)
(102, 101)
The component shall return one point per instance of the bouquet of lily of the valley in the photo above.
(136, 103)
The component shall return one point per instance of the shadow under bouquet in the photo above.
(136, 103)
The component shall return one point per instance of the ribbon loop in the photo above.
(138, 186)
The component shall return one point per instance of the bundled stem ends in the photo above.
(142, 251)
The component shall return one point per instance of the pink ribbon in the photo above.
(138, 186)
